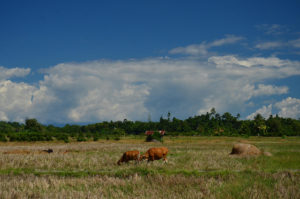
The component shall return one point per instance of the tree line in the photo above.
(209, 124)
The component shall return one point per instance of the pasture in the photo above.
(197, 167)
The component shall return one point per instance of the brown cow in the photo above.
(129, 155)
(155, 154)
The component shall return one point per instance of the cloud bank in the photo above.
(288, 108)
(134, 89)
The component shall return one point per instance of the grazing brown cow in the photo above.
(155, 154)
(129, 155)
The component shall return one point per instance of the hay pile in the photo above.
(244, 149)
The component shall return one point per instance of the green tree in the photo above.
(245, 128)
(5, 127)
(260, 125)
(212, 112)
(33, 125)
(169, 116)
(3, 138)
(275, 126)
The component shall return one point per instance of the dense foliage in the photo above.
(209, 124)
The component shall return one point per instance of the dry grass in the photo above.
(105, 187)
(278, 185)
(198, 167)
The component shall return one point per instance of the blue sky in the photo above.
(89, 61)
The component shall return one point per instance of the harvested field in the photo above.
(198, 167)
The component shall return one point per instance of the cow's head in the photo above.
(143, 157)
(119, 162)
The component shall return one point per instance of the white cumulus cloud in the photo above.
(6, 73)
(133, 89)
(265, 111)
(230, 60)
(289, 107)
(202, 49)
(15, 100)
(270, 45)
(270, 90)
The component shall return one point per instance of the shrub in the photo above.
(95, 137)
(63, 137)
(117, 138)
(48, 137)
(3, 138)
(29, 136)
(81, 138)
(245, 136)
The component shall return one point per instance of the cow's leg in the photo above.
(150, 159)
(137, 161)
(165, 158)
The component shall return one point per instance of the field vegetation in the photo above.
(198, 167)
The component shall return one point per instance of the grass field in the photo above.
(198, 167)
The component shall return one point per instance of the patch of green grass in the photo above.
(123, 173)
(238, 186)
(286, 160)
(16, 171)
(279, 161)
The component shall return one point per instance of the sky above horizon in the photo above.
(90, 61)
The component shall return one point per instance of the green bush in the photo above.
(117, 138)
(95, 137)
(81, 138)
(29, 136)
(62, 136)
(3, 138)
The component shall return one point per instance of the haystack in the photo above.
(244, 149)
